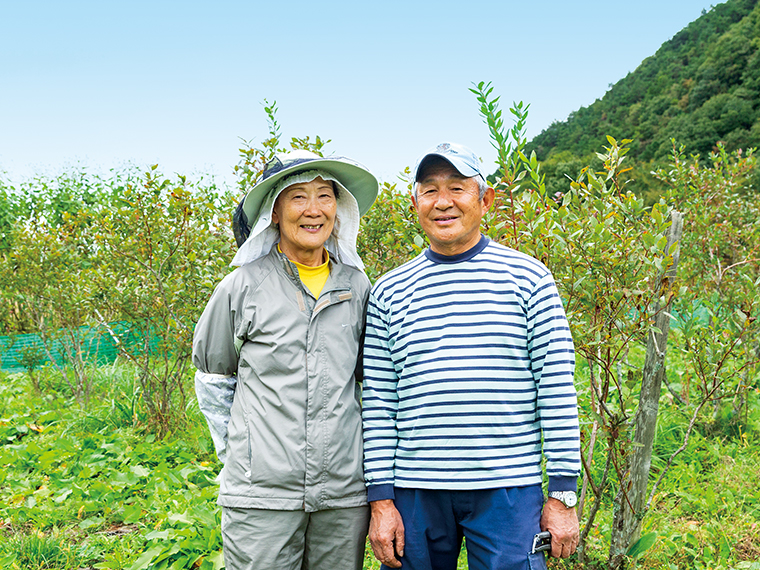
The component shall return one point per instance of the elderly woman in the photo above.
(278, 356)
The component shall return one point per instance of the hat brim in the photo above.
(459, 165)
(357, 179)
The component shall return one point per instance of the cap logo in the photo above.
(443, 147)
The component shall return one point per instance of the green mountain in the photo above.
(701, 87)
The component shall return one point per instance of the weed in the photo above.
(36, 550)
(94, 489)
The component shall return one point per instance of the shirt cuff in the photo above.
(380, 492)
(563, 483)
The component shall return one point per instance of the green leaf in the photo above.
(132, 513)
(642, 545)
(139, 470)
(146, 558)
(91, 522)
(62, 497)
(217, 559)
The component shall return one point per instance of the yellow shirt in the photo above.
(313, 277)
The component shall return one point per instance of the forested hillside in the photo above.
(701, 87)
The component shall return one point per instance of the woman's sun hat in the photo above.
(352, 176)
(252, 221)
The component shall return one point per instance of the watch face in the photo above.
(568, 498)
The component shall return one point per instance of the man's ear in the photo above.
(414, 201)
(488, 199)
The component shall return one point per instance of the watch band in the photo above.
(567, 498)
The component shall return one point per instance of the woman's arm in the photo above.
(215, 355)
(215, 393)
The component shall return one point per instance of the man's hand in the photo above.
(386, 533)
(563, 524)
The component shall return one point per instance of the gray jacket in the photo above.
(277, 380)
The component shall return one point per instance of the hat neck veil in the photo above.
(342, 242)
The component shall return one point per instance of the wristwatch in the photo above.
(567, 498)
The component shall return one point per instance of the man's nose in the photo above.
(443, 201)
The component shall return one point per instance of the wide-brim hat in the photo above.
(353, 176)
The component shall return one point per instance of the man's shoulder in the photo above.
(516, 261)
(401, 275)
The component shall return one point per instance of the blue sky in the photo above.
(103, 83)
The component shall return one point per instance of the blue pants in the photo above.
(498, 525)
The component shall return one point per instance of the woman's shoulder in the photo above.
(357, 278)
(249, 276)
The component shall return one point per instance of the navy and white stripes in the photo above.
(468, 360)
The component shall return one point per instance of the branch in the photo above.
(723, 271)
(679, 450)
(672, 392)
(598, 502)
(159, 283)
(594, 387)
(40, 322)
(597, 492)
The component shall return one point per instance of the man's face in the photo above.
(449, 209)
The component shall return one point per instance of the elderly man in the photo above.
(468, 366)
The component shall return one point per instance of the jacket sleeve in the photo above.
(215, 355)
(550, 346)
(379, 404)
(215, 393)
(359, 370)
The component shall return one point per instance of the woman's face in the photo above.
(305, 212)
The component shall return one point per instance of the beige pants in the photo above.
(259, 539)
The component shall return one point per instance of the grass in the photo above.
(38, 550)
(371, 563)
(91, 489)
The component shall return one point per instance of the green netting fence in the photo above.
(98, 345)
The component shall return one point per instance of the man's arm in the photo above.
(379, 404)
(562, 522)
(553, 362)
(379, 407)
(386, 533)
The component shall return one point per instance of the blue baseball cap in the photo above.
(460, 157)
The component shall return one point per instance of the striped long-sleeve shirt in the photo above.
(468, 362)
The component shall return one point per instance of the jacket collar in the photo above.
(339, 273)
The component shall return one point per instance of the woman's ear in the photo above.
(275, 217)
